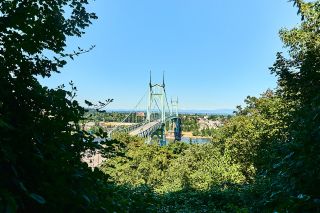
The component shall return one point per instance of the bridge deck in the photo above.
(144, 128)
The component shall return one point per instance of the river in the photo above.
(199, 140)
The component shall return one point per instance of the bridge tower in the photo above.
(157, 92)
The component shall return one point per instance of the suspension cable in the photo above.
(167, 100)
(130, 112)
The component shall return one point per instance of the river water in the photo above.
(194, 140)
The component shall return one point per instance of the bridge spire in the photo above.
(163, 79)
(150, 80)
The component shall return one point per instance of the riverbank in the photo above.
(186, 135)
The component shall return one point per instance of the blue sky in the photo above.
(214, 52)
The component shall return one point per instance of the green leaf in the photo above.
(37, 198)
(86, 198)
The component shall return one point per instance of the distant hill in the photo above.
(187, 111)
(210, 112)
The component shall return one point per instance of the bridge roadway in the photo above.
(140, 130)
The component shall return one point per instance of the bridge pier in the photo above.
(162, 138)
(160, 135)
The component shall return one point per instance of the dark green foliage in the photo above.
(217, 199)
(41, 144)
(299, 84)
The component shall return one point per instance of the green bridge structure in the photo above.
(160, 115)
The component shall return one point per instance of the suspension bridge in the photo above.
(155, 118)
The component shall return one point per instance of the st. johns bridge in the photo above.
(161, 116)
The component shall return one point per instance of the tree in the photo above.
(41, 144)
(299, 85)
(254, 133)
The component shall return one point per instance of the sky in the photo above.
(214, 52)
